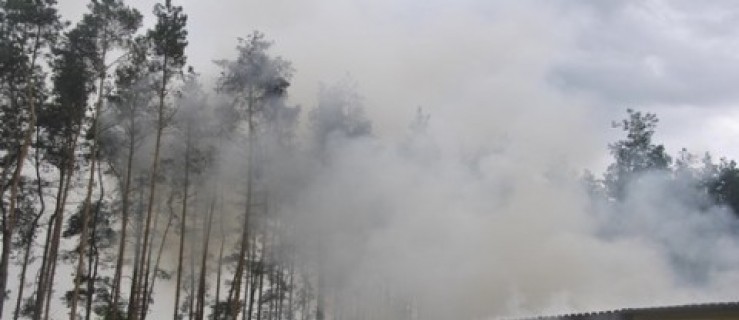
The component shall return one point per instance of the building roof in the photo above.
(627, 313)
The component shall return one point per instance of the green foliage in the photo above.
(255, 78)
(113, 24)
(636, 154)
(26, 213)
(219, 310)
(102, 223)
(701, 183)
(169, 38)
(725, 187)
(258, 82)
(28, 29)
(73, 77)
(130, 101)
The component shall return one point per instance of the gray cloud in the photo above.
(654, 53)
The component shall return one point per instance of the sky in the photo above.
(676, 58)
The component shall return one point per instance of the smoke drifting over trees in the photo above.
(134, 187)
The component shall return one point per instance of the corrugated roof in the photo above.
(621, 313)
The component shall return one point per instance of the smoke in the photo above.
(500, 229)
(482, 213)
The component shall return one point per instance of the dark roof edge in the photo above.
(712, 306)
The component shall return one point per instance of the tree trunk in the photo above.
(46, 289)
(53, 232)
(320, 288)
(9, 220)
(94, 276)
(217, 309)
(253, 271)
(159, 253)
(191, 296)
(153, 177)
(262, 271)
(29, 240)
(94, 251)
(183, 227)
(124, 222)
(147, 267)
(137, 256)
(91, 180)
(85, 226)
(43, 270)
(200, 312)
(236, 286)
(291, 287)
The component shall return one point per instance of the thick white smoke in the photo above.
(501, 229)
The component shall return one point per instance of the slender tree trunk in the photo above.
(92, 257)
(91, 180)
(124, 222)
(217, 308)
(34, 226)
(262, 271)
(53, 232)
(193, 289)
(43, 270)
(84, 237)
(183, 227)
(159, 253)
(304, 311)
(24, 268)
(247, 282)
(153, 176)
(254, 270)
(234, 295)
(280, 289)
(9, 221)
(94, 276)
(320, 288)
(200, 312)
(291, 287)
(147, 267)
(93, 267)
(280, 282)
(236, 286)
(48, 287)
(132, 300)
(247, 287)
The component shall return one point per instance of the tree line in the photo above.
(108, 161)
(637, 157)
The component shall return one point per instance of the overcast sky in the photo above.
(677, 58)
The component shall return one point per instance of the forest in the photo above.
(132, 188)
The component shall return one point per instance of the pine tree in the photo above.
(28, 28)
(108, 25)
(168, 40)
(253, 79)
(63, 121)
(636, 154)
(133, 93)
